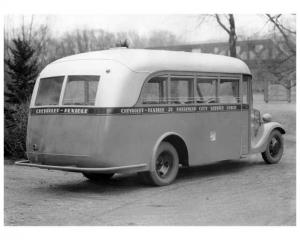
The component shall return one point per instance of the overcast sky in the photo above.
(188, 27)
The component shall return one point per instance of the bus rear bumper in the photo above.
(121, 169)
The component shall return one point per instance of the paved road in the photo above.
(245, 192)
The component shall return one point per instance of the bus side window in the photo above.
(229, 91)
(155, 91)
(181, 90)
(206, 90)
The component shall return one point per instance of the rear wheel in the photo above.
(97, 177)
(274, 149)
(164, 167)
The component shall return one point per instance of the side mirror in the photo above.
(256, 117)
(256, 121)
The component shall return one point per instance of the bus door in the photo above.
(218, 135)
(229, 118)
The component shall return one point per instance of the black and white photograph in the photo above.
(175, 119)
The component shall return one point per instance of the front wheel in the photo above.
(98, 177)
(164, 167)
(274, 149)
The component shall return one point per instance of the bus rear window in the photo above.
(81, 90)
(49, 91)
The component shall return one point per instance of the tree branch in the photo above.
(277, 25)
(221, 24)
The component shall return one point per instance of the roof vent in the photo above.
(115, 48)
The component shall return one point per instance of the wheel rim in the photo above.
(274, 146)
(164, 164)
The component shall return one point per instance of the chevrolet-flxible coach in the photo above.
(145, 111)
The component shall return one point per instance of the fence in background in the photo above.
(256, 53)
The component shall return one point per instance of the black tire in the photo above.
(274, 148)
(164, 168)
(98, 177)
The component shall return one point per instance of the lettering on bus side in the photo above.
(137, 110)
(203, 109)
(76, 110)
(231, 107)
(45, 111)
(131, 111)
(156, 110)
(186, 109)
(217, 108)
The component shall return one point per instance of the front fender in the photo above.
(260, 141)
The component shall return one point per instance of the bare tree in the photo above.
(284, 31)
(230, 30)
(135, 40)
(284, 67)
(281, 67)
(122, 43)
(162, 38)
(227, 23)
(38, 35)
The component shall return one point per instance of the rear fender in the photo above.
(158, 142)
(260, 141)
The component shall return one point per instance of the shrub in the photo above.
(15, 127)
(21, 65)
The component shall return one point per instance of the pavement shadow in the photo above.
(125, 183)
(217, 169)
(119, 184)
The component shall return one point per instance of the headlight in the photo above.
(267, 117)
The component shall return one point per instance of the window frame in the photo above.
(247, 78)
(191, 89)
(191, 74)
(38, 89)
(239, 98)
(63, 93)
(141, 97)
(213, 78)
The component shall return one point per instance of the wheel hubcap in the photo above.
(164, 164)
(274, 146)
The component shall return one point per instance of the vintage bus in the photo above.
(146, 111)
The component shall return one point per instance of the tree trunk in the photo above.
(231, 32)
(232, 37)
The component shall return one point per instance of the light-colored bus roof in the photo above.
(143, 60)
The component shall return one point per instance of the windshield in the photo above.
(49, 91)
(81, 90)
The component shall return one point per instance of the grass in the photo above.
(282, 112)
